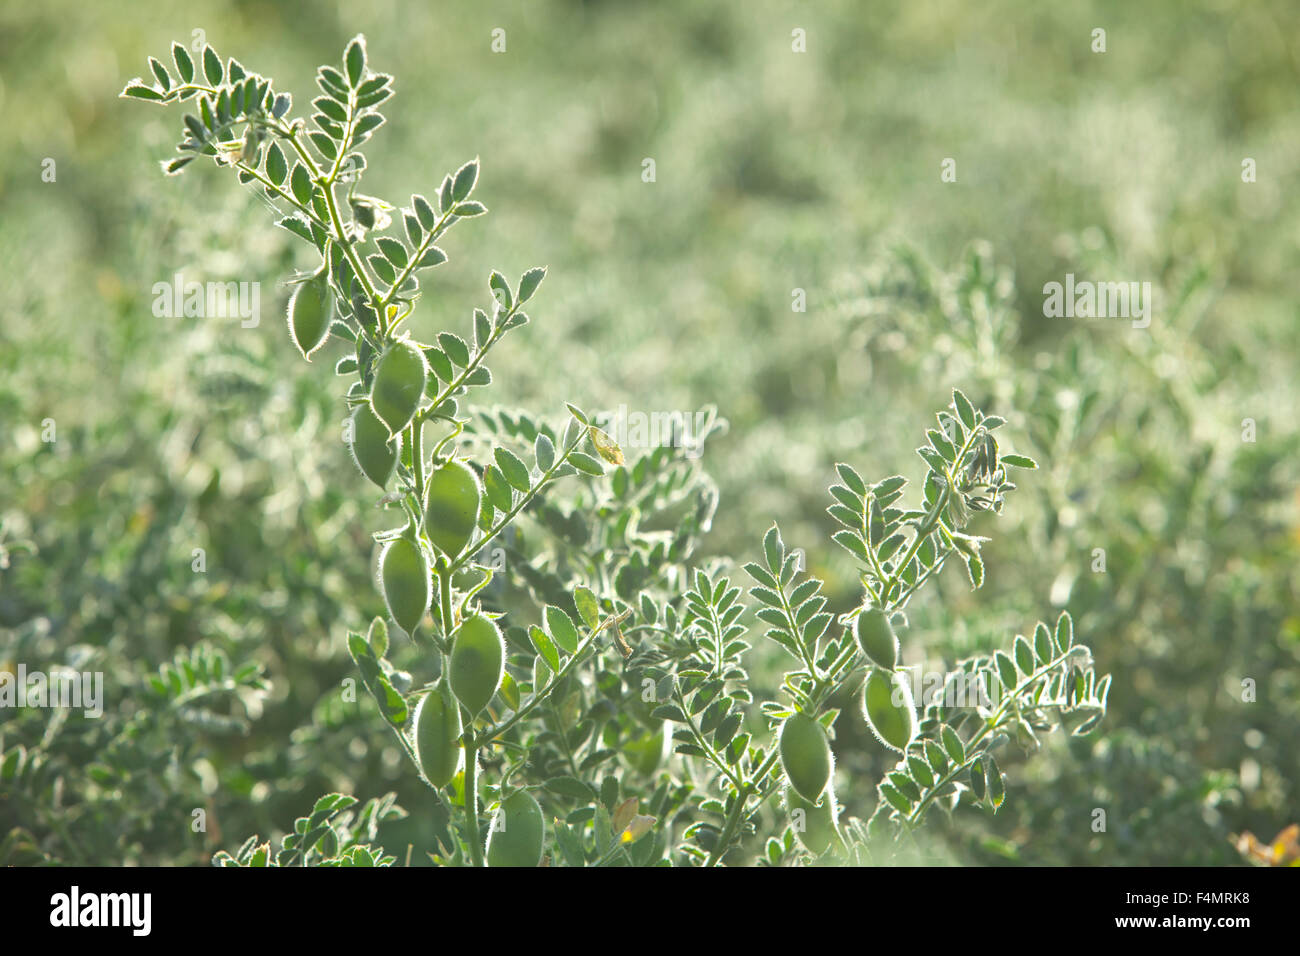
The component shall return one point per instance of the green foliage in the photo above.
(182, 432)
(328, 836)
(694, 668)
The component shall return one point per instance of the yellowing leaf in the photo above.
(605, 446)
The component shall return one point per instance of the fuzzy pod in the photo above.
(400, 377)
(452, 501)
(437, 737)
(518, 832)
(407, 585)
(817, 828)
(310, 313)
(876, 637)
(806, 756)
(894, 724)
(478, 660)
(373, 452)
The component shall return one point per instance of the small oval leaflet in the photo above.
(605, 446)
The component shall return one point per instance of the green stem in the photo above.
(417, 458)
(922, 532)
(729, 828)
(613, 854)
(932, 519)
(839, 671)
(509, 516)
(336, 221)
(492, 733)
(406, 745)
(737, 812)
(990, 725)
(291, 200)
(471, 790)
(714, 757)
(766, 766)
(411, 265)
(349, 130)
(564, 739)
(459, 380)
(444, 606)
(788, 612)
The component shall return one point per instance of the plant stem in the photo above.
(714, 757)
(922, 532)
(413, 262)
(729, 828)
(788, 611)
(417, 458)
(990, 725)
(444, 605)
(344, 243)
(538, 696)
(459, 380)
(471, 789)
(509, 516)
(737, 812)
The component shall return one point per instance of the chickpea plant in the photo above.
(590, 706)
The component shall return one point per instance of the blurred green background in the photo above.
(775, 170)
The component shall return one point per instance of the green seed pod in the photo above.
(806, 756)
(816, 829)
(311, 310)
(407, 586)
(437, 737)
(875, 635)
(894, 724)
(400, 376)
(372, 450)
(478, 660)
(451, 508)
(647, 752)
(518, 832)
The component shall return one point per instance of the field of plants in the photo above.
(586, 433)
